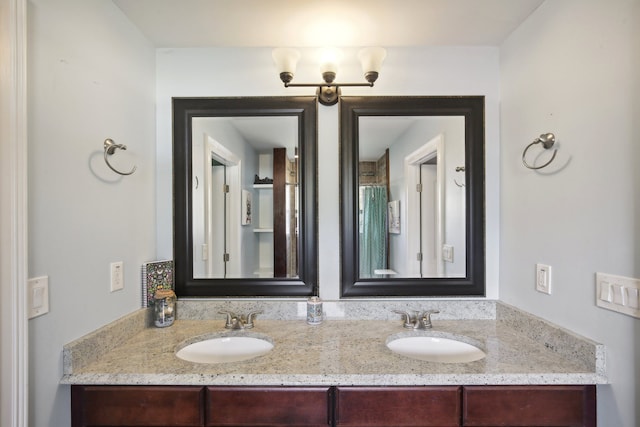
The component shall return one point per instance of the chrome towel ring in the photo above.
(110, 148)
(547, 140)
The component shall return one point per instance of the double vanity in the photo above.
(372, 362)
(482, 363)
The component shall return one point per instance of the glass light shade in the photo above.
(371, 59)
(286, 59)
(329, 60)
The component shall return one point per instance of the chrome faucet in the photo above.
(418, 321)
(236, 322)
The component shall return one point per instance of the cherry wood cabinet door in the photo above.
(268, 406)
(398, 406)
(134, 406)
(539, 406)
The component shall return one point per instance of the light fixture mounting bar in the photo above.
(327, 84)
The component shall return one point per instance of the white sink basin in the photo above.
(435, 349)
(225, 349)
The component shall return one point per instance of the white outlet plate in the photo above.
(543, 278)
(618, 293)
(447, 253)
(117, 276)
(38, 296)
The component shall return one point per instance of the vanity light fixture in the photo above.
(286, 60)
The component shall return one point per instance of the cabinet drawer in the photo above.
(398, 406)
(136, 406)
(539, 406)
(268, 406)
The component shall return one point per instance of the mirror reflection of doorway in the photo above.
(424, 171)
(430, 261)
(423, 183)
(258, 155)
(221, 249)
(407, 155)
(219, 217)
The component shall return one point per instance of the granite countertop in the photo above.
(520, 349)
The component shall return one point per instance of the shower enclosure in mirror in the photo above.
(412, 191)
(244, 173)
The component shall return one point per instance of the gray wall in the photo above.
(91, 77)
(572, 68)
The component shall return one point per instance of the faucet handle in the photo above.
(406, 317)
(425, 319)
(231, 317)
(248, 324)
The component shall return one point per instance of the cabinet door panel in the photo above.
(268, 406)
(539, 406)
(398, 406)
(136, 406)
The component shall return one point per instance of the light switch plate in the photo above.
(604, 291)
(633, 297)
(618, 293)
(543, 278)
(117, 276)
(38, 296)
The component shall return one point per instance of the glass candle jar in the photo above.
(164, 307)
(314, 311)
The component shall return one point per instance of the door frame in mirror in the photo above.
(472, 108)
(184, 110)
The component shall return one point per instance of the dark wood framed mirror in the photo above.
(245, 189)
(412, 196)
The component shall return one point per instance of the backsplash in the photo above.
(555, 338)
(199, 309)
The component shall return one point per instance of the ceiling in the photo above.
(379, 133)
(315, 23)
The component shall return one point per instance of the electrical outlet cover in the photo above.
(543, 278)
(38, 296)
(117, 276)
(447, 253)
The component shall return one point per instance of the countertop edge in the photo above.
(335, 380)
